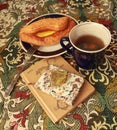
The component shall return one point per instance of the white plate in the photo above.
(47, 51)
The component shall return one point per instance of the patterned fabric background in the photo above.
(20, 111)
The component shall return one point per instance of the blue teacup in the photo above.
(89, 41)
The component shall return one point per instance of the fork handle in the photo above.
(14, 81)
(12, 84)
(10, 87)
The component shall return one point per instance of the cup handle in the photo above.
(66, 39)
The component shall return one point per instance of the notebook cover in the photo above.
(55, 109)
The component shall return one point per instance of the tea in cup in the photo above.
(89, 41)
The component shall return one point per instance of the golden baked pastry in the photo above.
(47, 31)
(55, 24)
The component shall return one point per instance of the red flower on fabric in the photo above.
(14, 125)
(3, 6)
(96, 3)
(79, 117)
(19, 68)
(22, 116)
(22, 95)
(27, 20)
(105, 22)
(63, 2)
(32, 10)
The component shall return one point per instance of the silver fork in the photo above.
(11, 86)
(30, 52)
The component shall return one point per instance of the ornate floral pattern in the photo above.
(20, 110)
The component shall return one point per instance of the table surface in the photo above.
(20, 110)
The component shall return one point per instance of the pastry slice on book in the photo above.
(54, 108)
(61, 84)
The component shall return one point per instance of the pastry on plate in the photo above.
(47, 31)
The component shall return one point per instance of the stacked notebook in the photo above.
(55, 109)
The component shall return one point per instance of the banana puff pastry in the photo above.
(61, 84)
(46, 31)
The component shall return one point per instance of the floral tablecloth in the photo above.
(20, 110)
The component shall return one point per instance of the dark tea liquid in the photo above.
(89, 43)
